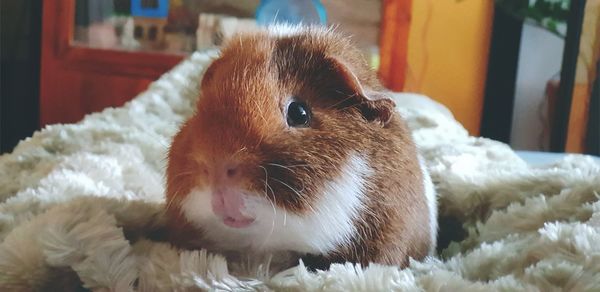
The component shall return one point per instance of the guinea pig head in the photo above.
(276, 155)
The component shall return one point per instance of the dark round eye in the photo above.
(298, 114)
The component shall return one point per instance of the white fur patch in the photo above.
(285, 29)
(328, 225)
(431, 197)
(196, 206)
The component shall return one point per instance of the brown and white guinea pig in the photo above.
(295, 146)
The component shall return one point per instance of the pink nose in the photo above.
(229, 205)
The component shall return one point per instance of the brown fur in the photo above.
(240, 118)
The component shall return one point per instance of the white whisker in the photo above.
(288, 186)
(272, 202)
(284, 167)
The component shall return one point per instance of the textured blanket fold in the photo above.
(81, 204)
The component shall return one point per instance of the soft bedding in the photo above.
(81, 205)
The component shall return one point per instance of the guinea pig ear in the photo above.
(374, 105)
(210, 72)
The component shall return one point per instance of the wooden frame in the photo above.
(560, 126)
(393, 43)
(593, 126)
(146, 64)
(62, 56)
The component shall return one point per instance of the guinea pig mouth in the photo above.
(237, 222)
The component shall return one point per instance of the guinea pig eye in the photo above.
(298, 114)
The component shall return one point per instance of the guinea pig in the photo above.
(295, 146)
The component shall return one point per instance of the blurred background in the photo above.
(524, 72)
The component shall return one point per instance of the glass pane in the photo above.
(158, 25)
(182, 26)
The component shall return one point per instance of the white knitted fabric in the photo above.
(79, 203)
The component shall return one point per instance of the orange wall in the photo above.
(447, 54)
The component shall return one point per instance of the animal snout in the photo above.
(229, 205)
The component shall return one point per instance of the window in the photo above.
(138, 32)
(152, 33)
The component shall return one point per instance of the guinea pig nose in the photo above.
(225, 172)
(231, 171)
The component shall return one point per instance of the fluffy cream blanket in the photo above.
(81, 204)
